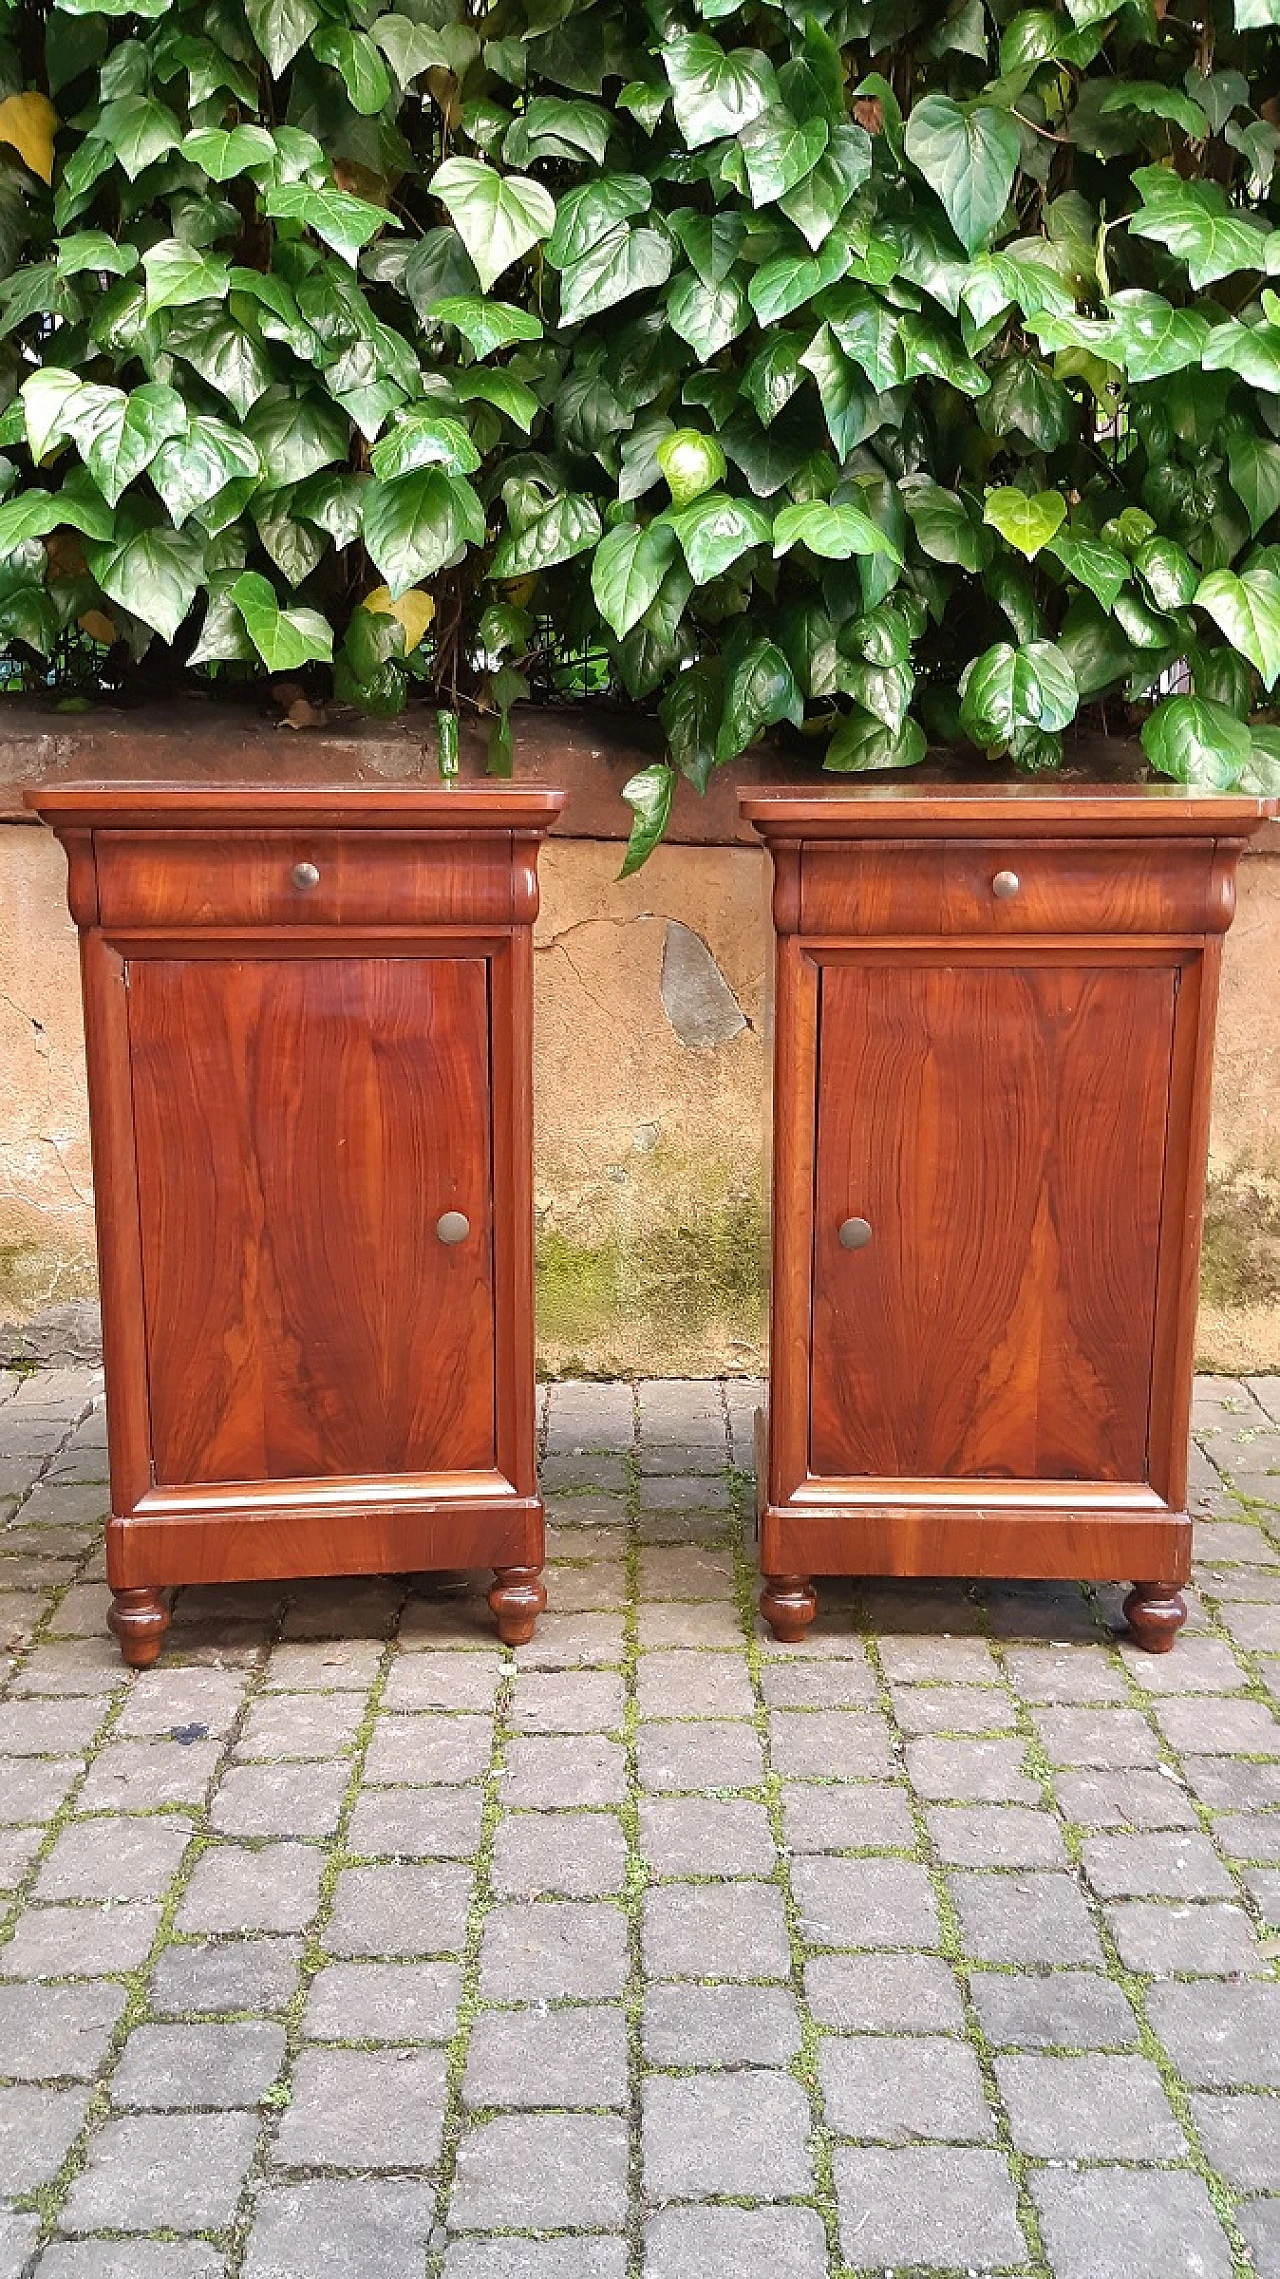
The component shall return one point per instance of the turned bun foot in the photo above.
(788, 1604)
(517, 1598)
(139, 1619)
(1155, 1613)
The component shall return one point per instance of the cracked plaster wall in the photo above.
(651, 1071)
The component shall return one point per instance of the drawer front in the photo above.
(991, 887)
(194, 879)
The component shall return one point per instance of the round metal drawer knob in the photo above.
(305, 876)
(453, 1226)
(855, 1234)
(1005, 883)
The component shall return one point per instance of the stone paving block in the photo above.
(562, 1473)
(362, 2109)
(1023, 1918)
(864, 1903)
(565, 2058)
(713, 2135)
(216, 1975)
(581, 1855)
(1220, 1726)
(848, 1683)
(896, 2092)
(18, 2236)
(933, 1654)
(1202, 1665)
(686, 1683)
(706, 1753)
(549, 1948)
(48, 1728)
(417, 1823)
(994, 1835)
(130, 2259)
(695, 1835)
(1205, 1941)
(1259, 2221)
(18, 1847)
(921, 1709)
(719, 2025)
(928, 2205)
(821, 1744)
(165, 1697)
(1094, 2108)
(400, 1910)
(82, 1613)
(1069, 1674)
(713, 1527)
(265, 1887)
(140, 1776)
(383, 2002)
(1125, 1800)
(1233, 1784)
(750, 2243)
(715, 1930)
(686, 1570)
(1220, 2037)
(279, 1800)
(545, 1770)
(335, 1665)
(543, 2171)
(972, 1772)
(581, 1586)
(589, 1415)
(80, 1942)
(883, 1994)
(678, 1460)
(341, 2229)
(1248, 1835)
(1256, 1628)
(581, 1519)
(179, 2172)
(676, 1622)
(1240, 2137)
(1152, 2225)
(1105, 1737)
(1059, 1613)
(573, 1642)
(867, 1816)
(567, 1701)
(1263, 1887)
(436, 1680)
(174, 2068)
(684, 1492)
(577, 2258)
(343, 1606)
(304, 1725)
(1053, 2010)
(32, 1788)
(1181, 1865)
(681, 1409)
(37, 2130)
(52, 2033)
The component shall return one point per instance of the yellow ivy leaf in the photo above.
(98, 626)
(29, 123)
(414, 609)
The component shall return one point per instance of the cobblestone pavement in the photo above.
(344, 1946)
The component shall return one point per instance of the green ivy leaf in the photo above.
(1247, 608)
(191, 467)
(417, 522)
(297, 435)
(568, 524)
(179, 274)
(969, 154)
(1198, 743)
(760, 690)
(283, 638)
(628, 569)
(32, 514)
(354, 56)
(714, 93)
(497, 216)
(486, 325)
(623, 262)
(155, 573)
(280, 28)
(1006, 689)
(649, 795)
(344, 222)
(118, 435)
(224, 152)
(1025, 522)
(943, 525)
(425, 438)
(1254, 465)
(1196, 222)
(833, 532)
(862, 743)
(716, 530)
(1095, 564)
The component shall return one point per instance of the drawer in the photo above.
(198, 879)
(994, 887)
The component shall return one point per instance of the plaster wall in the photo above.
(651, 1075)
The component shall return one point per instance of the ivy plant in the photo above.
(903, 373)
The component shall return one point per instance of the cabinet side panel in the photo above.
(1002, 1129)
(301, 1127)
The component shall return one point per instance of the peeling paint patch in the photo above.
(696, 998)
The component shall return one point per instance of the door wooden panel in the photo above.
(1002, 1128)
(301, 1126)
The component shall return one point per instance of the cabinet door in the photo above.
(301, 1126)
(1001, 1128)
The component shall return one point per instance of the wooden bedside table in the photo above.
(308, 1034)
(994, 1033)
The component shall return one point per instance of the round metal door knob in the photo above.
(453, 1226)
(855, 1234)
(1005, 884)
(305, 876)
